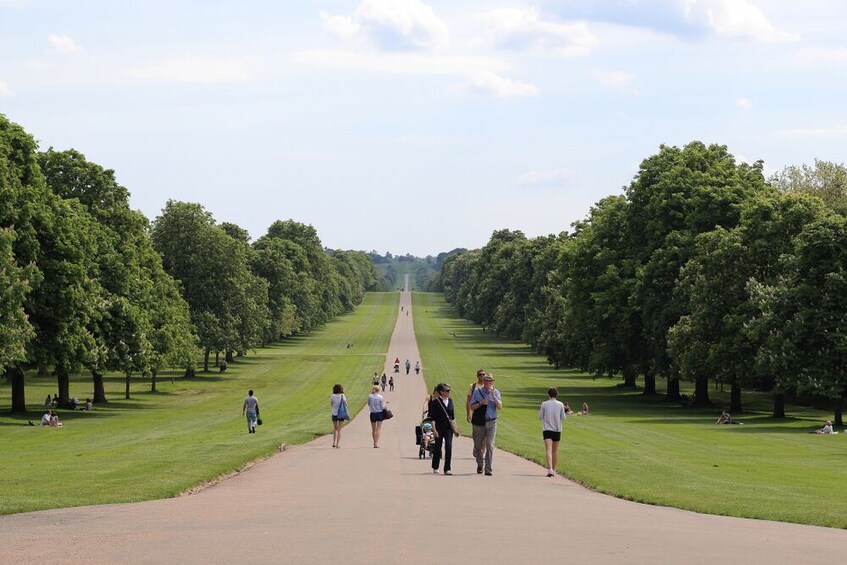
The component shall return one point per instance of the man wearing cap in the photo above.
(485, 403)
(441, 411)
(475, 385)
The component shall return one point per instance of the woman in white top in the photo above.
(335, 400)
(376, 404)
(552, 414)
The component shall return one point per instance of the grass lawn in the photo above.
(641, 448)
(158, 445)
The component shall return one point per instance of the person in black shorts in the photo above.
(552, 414)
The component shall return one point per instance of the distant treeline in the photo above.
(703, 270)
(422, 270)
(89, 284)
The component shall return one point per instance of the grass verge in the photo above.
(191, 431)
(640, 448)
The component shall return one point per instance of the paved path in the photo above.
(357, 504)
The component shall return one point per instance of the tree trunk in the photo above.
(649, 383)
(838, 419)
(217, 358)
(228, 356)
(99, 389)
(672, 394)
(16, 375)
(735, 399)
(206, 361)
(128, 375)
(701, 392)
(64, 386)
(189, 373)
(779, 405)
(629, 377)
(153, 382)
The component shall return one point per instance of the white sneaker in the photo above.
(435, 471)
(448, 472)
(551, 473)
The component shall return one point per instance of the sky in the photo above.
(418, 126)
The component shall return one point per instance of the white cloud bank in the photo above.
(391, 25)
(522, 29)
(619, 80)
(63, 44)
(486, 82)
(5, 90)
(735, 19)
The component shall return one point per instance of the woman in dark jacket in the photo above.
(441, 412)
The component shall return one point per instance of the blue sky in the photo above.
(417, 126)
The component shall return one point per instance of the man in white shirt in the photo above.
(552, 414)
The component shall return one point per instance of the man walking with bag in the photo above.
(485, 404)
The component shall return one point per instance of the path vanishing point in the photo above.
(313, 504)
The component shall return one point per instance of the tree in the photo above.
(826, 180)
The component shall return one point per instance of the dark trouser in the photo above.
(447, 440)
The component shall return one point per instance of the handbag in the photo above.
(387, 414)
(343, 413)
(452, 423)
(258, 420)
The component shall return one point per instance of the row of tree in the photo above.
(701, 270)
(90, 284)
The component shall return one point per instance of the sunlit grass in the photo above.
(160, 444)
(641, 448)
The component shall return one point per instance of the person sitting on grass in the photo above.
(54, 420)
(826, 429)
(45, 420)
(585, 409)
(724, 418)
(89, 406)
(568, 410)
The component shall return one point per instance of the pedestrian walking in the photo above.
(408, 366)
(340, 413)
(376, 404)
(474, 385)
(390, 383)
(417, 367)
(250, 408)
(442, 413)
(486, 404)
(552, 414)
(383, 381)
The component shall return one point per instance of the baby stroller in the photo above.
(424, 438)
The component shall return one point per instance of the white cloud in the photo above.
(620, 80)
(522, 29)
(63, 44)
(743, 102)
(5, 90)
(198, 70)
(735, 19)
(832, 132)
(545, 179)
(487, 82)
(391, 25)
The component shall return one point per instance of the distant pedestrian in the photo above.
(486, 404)
(336, 400)
(376, 404)
(375, 380)
(390, 383)
(408, 366)
(383, 381)
(552, 414)
(250, 408)
(417, 367)
(442, 413)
